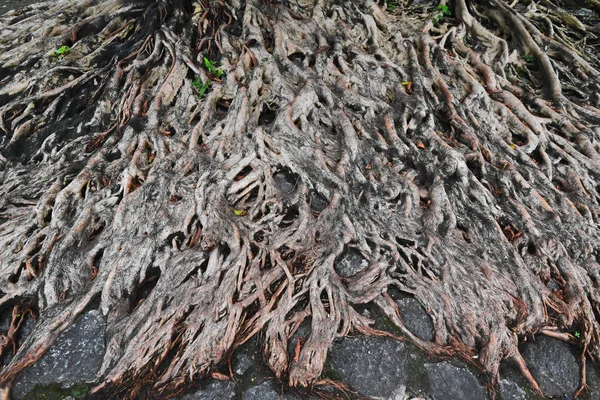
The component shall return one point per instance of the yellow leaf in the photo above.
(406, 83)
(239, 213)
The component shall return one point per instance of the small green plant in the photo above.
(200, 87)
(528, 58)
(210, 66)
(213, 71)
(61, 52)
(391, 5)
(443, 10)
(577, 334)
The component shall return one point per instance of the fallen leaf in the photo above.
(421, 145)
(219, 376)
(297, 350)
(239, 213)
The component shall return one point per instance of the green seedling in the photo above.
(200, 87)
(391, 5)
(439, 17)
(210, 66)
(522, 73)
(577, 334)
(528, 58)
(61, 52)
(444, 9)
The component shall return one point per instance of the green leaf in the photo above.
(219, 73)
(209, 65)
(63, 50)
(203, 89)
(239, 213)
(197, 82)
(528, 58)
(199, 86)
(444, 9)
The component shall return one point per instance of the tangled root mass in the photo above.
(197, 170)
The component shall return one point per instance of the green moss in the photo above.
(415, 369)
(384, 323)
(330, 372)
(55, 392)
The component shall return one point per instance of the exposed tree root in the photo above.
(458, 157)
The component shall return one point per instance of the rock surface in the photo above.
(246, 357)
(266, 391)
(448, 382)
(511, 391)
(388, 369)
(216, 390)
(74, 359)
(382, 370)
(286, 182)
(552, 365)
(350, 263)
(416, 318)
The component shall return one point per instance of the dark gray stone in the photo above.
(373, 366)
(26, 328)
(75, 358)
(5, 319)
(350, 263)
(416, 318)
(246, 357)
(285, 182)
(552, 365)
(448, 382)
(593, 380)
(509, 390)
(7, 5)
(216, 390)
(266, 391)
(318, 202)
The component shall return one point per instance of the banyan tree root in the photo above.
(197, 170)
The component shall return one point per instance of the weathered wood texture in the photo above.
(458, 154)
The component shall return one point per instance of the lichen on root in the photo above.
(458, 154)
